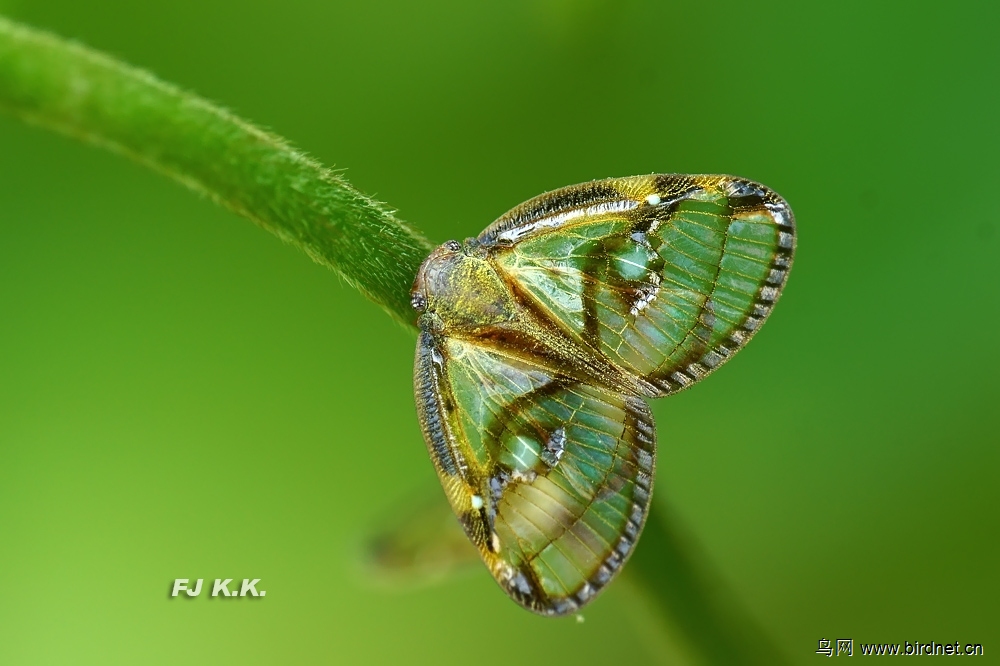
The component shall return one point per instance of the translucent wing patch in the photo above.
(550, 477)
(665, 276)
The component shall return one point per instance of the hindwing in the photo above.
(664, 276)
(550, 477)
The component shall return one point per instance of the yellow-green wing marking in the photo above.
(665, 276)
(550, 477)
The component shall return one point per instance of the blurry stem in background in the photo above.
(692, 603)
(69, 88)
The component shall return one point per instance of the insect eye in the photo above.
(454, 246)
(419, 302)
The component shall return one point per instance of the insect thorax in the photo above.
(462, 291)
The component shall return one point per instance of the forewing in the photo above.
(665, 276)
(550, 477)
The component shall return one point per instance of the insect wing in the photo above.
(551, 478)
(665, 276)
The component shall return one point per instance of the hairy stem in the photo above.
(75, 90)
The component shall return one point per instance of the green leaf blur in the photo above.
(182, 396)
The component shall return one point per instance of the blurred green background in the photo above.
(183, 396)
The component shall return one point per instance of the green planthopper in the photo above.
(542, 340)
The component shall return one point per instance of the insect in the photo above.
(541, 341)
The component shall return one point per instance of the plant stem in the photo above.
(75, 90)
(694, 606)
(67, 87)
